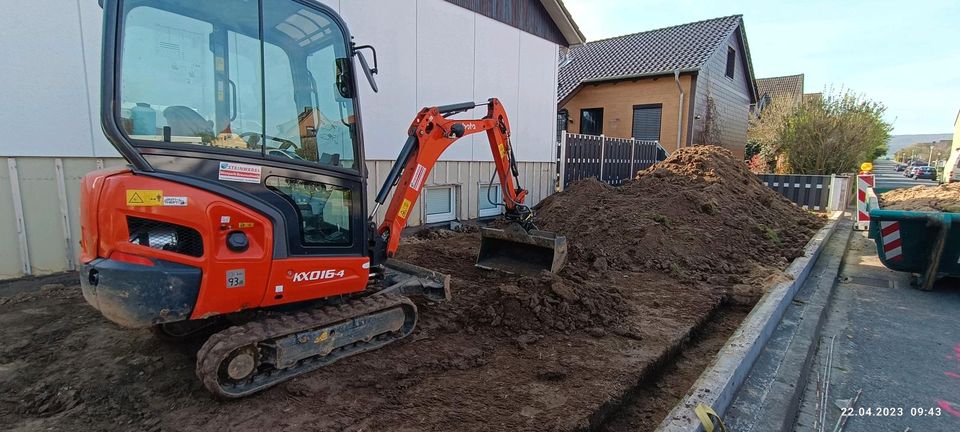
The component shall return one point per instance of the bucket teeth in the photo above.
(513, 249)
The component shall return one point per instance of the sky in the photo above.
(905, 54)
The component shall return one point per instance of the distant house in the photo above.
(789, 87)
(812, 97)
(682, 85)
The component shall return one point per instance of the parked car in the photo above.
(927, 172)
(900, 167)
(908, 172)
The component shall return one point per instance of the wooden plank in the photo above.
(64, 214)
(18, 212)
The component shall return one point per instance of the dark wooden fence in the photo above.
(814, 192)
(612, 160)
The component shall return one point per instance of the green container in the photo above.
(926, 244)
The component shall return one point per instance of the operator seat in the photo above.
(184, 121)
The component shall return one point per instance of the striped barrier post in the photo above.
(864, 181)
(890, 232)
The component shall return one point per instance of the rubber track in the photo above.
(221, 344)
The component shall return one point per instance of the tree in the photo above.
(834, 134)
(923, 152)
(763, 134)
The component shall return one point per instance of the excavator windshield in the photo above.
(265, 79)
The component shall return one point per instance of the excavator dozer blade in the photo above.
(515, 250)
(408, 279)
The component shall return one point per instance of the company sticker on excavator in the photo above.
(404, 209)
(144, 197)
(418, 176)
(242, 225)
(238, 172)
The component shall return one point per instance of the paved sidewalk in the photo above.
(901, 346)
(768, 398)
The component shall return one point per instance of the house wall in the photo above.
(731, 99)
(430, 52)
(618, 98)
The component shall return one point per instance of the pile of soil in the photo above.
(698, 215)
(942, 198)
(698, 220)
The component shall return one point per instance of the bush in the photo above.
(834, 134)
(828, 135)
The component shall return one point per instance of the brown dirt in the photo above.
(942, 198)
(649, 262)
(653, 400)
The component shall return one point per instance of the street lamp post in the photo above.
(930, 158)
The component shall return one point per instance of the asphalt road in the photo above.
(888, 178)
(899, 345)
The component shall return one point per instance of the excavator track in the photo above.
(248, 358)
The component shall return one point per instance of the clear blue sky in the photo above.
(905, 54)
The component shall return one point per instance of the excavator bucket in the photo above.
(515, 250)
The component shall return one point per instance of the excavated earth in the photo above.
(650, 263)
(942, 198)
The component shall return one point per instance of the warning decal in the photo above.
(404, 209)
(238, 172)
(418, 176)
(144, 197)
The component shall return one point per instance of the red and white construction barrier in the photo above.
(890, 231)
(864, 181)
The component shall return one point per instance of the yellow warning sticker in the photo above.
(503, 151)
(245, 225)
(144, 197)
(404, 208)
(322, 337)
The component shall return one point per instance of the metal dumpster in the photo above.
(926, 244)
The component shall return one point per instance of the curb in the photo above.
(719, 382)
(770, 397)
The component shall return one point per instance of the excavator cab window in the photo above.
(269, 79)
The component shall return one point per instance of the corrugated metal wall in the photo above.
(47, 237)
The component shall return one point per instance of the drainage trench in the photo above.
(647, 403)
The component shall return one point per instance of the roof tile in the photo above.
(685, 46)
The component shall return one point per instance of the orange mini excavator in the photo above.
(243, 210)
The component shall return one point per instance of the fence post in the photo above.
(832, 193)
(603, 145)
(633, 155)
(562, 170)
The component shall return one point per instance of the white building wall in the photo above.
(430, 52)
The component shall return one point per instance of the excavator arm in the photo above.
(430, 134)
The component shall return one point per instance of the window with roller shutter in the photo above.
(646, 122)
(440, 204)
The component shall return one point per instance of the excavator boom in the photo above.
(517, 248)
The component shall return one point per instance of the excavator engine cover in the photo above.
(515, 250)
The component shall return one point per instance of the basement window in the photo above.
(731, 62)
(489, 193)
(440, 204)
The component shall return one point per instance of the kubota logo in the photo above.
(308, 276)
